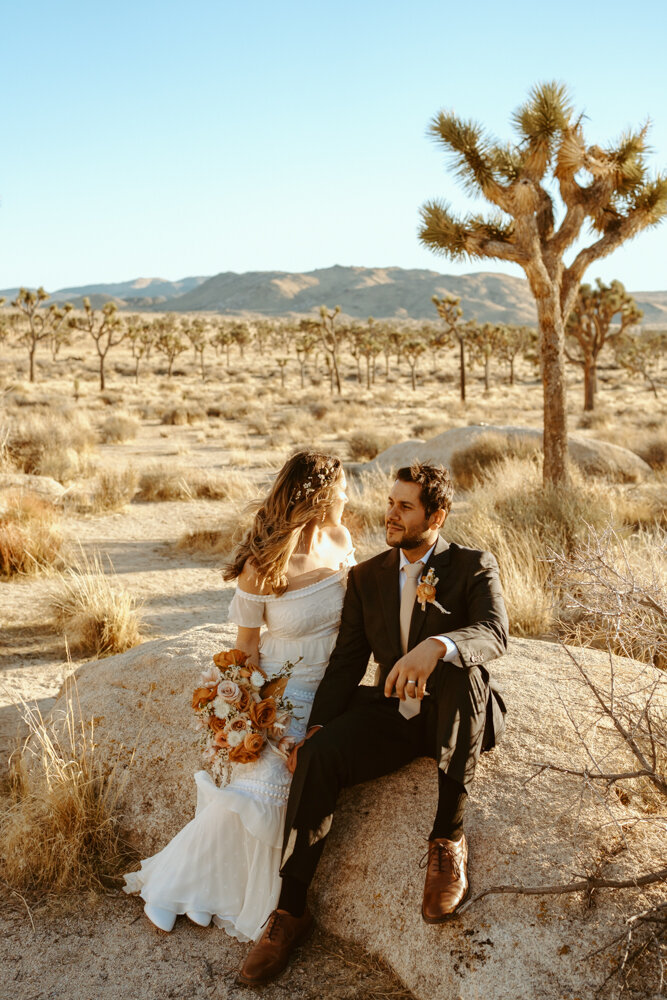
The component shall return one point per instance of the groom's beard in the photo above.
(407, 538)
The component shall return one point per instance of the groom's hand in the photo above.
(417, 666)
(291, 760)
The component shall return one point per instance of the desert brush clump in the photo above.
(96, 615)
(184, 413)
(31, 539)
(162, 482)
(119, 427)
(220, 540)
(54, 444)
(60, 826)
(365, 445)
(110, 490)
(469, 465)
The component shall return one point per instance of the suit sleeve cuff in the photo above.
(451, 654)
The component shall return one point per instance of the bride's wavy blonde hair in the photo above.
(305, 488)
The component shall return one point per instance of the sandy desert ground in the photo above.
(243, 424)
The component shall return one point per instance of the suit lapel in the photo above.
(389, 598)
(440, 558)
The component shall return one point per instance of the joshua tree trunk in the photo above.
(590, 384)
(102, 385)
(487, 361)
(32, 362)
(552, 331)
(462, 369)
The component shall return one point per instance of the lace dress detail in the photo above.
(225, 861)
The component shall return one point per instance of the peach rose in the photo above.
(220, 740)
(237, 725)
(263, 714)
(274, 689)
(202, 696)
(216, 724)
(228, 690)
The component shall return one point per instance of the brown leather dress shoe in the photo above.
(446, 883)
(268, 957)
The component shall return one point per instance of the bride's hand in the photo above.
(291, 760)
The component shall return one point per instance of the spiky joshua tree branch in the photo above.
(549, 173)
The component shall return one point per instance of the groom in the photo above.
(434, 698)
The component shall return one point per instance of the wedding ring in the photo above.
(409, 682)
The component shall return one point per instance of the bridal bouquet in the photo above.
(240, 712)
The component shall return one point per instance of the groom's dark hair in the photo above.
(437, 489)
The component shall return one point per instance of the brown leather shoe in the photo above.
(268, 957)
(446, 883)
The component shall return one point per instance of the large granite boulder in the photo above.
(42, 486)
(592, 456)
(368, 888)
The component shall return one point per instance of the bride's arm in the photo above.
(247, 639)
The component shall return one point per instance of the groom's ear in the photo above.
(437, 518)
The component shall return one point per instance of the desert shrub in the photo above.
(367, 502)
(119, 427)
(96, 615)
(319, 410)
(654, 451)
(469, 466)
(365, 445)
(429, 428)
(113, 489)
(30, 534)
(163, 482)
(220, 540)
(182, 415)
(595, 420)
(56, 445)
(59, 829)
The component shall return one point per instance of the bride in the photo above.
(291, 570)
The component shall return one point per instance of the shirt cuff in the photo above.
(451, 654)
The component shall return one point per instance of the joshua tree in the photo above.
(588, 328)
(282, 363)
(304, 346)
(607, 187)
(222, 338)
(39, 323)
(330, 339)
(242, 336)
(169, 340)
(485, 342)
(413, 350)
(642, 354)
(107, 330)
(141, 335)
(60, 335)
(450, 313)
(195, 331)
(515, 340)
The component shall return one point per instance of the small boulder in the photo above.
(43, 486)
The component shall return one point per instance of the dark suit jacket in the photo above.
(468, 588)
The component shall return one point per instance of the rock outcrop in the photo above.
(42, 486)
(368, 888)
(592, 456)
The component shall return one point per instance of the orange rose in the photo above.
(253, 742)
(263, 713)
(244, 701)
(202, 696)
(237, 725)
(230, 658)
(274, 689)
(425, 593)
(239, 755)
(216, 724)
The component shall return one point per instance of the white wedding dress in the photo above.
(224, 864)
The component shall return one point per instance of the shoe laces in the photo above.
(443, 853)
(271, 922)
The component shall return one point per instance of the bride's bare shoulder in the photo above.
(250, 581)
(340, 536)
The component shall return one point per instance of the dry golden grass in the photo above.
(96, 615)
(56, 444)
(30, 534)
(470, 465)
(365, 445)
(162, 482)
(183, 414)
(367, 501)
(220, 540)
(119, 427)
(59, 826)
(111, 490)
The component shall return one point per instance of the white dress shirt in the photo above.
(451, 654)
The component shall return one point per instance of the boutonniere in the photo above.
(426, 592)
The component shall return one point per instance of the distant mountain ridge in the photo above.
(390, 292)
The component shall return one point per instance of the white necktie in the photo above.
(410, 706)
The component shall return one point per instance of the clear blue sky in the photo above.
(170, 139)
